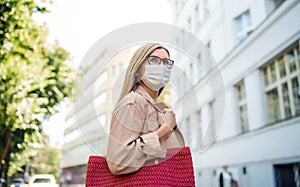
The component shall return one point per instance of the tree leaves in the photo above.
(34, 77)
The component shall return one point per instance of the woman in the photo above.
(141, 129)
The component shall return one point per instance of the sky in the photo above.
(78, 24)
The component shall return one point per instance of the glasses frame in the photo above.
(166, 62)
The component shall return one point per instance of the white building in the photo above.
(256, 47)
(88, 118)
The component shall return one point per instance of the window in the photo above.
(287, 174)
(100, 99)
(191, 71)
(271, 5)
(102, 119)
(242, 104)
(212, 119)
(273, 105)
(199, 124)
(243, 25)
(70, 121)
(73, 135)
(198, 68)
(197, 17)
(282, 77)
(185, 80)
(208, 44)
(206, 9)
(199, 117)
(187, 131)
(113, 71)
(103, 77)
(190, 25)
(199, 58)
(277, 2)
(122, 68)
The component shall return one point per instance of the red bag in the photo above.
(175, 170)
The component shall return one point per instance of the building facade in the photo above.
(88, 118)
(255, 45)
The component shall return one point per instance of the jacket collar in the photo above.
(144, 93)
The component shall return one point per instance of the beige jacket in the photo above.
(133, 139)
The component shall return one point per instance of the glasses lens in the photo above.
(167, 62)
(153, 60)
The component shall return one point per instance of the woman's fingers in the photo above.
(170, 118)
(167, 110)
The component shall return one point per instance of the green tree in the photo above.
(40, 159)
(34, 79)
(46, 164)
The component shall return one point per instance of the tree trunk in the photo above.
(1, 166)
(7, 160)
(7, 144)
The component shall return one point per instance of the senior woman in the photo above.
(141, 129)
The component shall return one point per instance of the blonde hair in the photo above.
(132, 76)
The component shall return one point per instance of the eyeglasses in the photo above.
(155, 60)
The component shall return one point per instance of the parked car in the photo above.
(42, 180)
(2, 181)
(17, 182)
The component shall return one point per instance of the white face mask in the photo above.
(156, 76)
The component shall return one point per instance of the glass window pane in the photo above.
(239, 24)
(100, 99)
(273, 73)
(281, 65)
(101, 79)
(296, 95)
(273, 105)
(122, 68)
(241, 91)
(291, 61)
(70, 122)
(242, 106)
(277, 2)
(71, 136)
(286, 100)
(298, 54)
(265, 73)
(244, 119)
(102, 119)
(283, 72)
(247, 19)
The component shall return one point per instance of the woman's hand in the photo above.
(168, 124)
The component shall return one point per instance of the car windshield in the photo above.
(42, 180)
(17, 181)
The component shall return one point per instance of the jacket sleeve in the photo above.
(128, 149)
